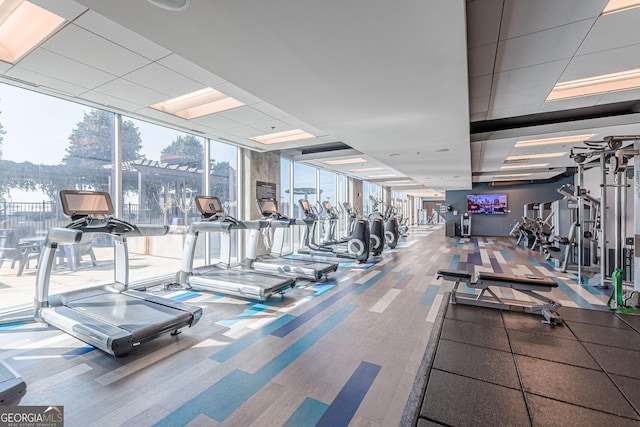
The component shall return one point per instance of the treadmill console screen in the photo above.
(76, 203)
(267, 206)
(209, 205)
(304, 203)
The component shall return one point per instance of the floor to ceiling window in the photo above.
(224, 185)
(48, 144)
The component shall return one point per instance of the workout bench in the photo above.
(526, 285)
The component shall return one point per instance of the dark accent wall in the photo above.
(517, 197)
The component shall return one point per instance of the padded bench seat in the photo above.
(528, 286)
(543, 282)
(460, 274)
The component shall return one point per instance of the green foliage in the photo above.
(91, 148)
(184, 151)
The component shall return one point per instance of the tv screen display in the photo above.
(487, 203)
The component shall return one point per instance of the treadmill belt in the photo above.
(127, 312)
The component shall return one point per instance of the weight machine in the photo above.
(613, 159)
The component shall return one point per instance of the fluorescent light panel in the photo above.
(345, 161)
(623, 80)
(366, 170)
(536, 156)
(384, 175)
(619, 6)
(513, 175)
(550, 141)
(23, 26)
(285, 136)
(403, 181)
(197, 104)
(525, 166)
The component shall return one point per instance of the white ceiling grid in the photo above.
(388, 79)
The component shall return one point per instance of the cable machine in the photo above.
(613, 161)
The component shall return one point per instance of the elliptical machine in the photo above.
(357, 247)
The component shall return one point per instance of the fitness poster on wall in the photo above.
(265, 190)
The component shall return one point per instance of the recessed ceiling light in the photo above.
(384, 175)
(23, 26)
(513, 175)
(623, 80)
(619, 6)
(197, 104)
(525, 166)
(366, 170)
(286, 136)
(558, 140)
(536, 156)
(403, 181)
(345, 161)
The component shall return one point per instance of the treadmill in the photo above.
(110, 317)
(12, 387)
(220, 277)
(274, 261)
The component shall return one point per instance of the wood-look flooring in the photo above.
(341, 352)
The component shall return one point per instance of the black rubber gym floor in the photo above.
(488, 367)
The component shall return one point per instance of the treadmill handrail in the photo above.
(63, 236)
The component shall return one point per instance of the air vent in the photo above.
(323, 148)
(24, 82)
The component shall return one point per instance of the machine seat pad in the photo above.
(543, 282)
(455, 273)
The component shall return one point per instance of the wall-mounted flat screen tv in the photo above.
(487, 203)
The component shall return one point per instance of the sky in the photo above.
(38, 127)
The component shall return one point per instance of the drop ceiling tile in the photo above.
(482, 60)
(244, 132)
(216, 121)
(516, 98)
(612, 31)
(120, 35)
(483, 22)
(271, 126)
(92, 50)
(299, 124)
(65, 69)
(245, 115)
(480, 86)
(478, 116)
(124, 89)
(186, 68)
(159, 117)
(541, 47)
(44, 81)
(269, 109)
(604, 62)
(525, 16)
(539, 75)
(109, 101)
(619, 96)
(237, 93)
(479, 104)
(4, 66)
(67, 9)
(163, 80)
(520, 110)
(567, 104)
